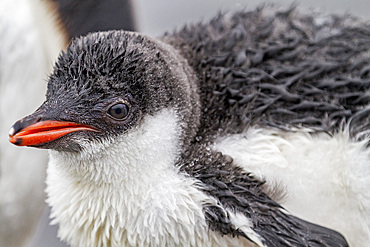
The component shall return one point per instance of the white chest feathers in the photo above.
(129, 193)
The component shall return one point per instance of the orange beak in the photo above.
(45, 131)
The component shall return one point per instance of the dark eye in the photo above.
(118, 111)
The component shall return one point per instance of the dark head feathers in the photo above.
(101, 65)
(106, 66)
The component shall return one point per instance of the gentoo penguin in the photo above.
(31, 37)
(238, 132)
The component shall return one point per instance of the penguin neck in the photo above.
(122, 191)
(186, 89)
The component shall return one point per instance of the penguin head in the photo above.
(103, 86)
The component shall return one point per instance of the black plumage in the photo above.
(281, 69)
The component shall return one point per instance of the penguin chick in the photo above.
(164, 142)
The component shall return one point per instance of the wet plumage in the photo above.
(281, 69)
(193, 98)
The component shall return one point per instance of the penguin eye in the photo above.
(118, 111)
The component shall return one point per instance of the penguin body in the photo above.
(193, 138)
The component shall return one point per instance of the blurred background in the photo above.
(30, 40)
(156, 17)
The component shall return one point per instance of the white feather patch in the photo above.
(243, 224)
(327, 179)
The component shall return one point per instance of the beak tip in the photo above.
(11, 132)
